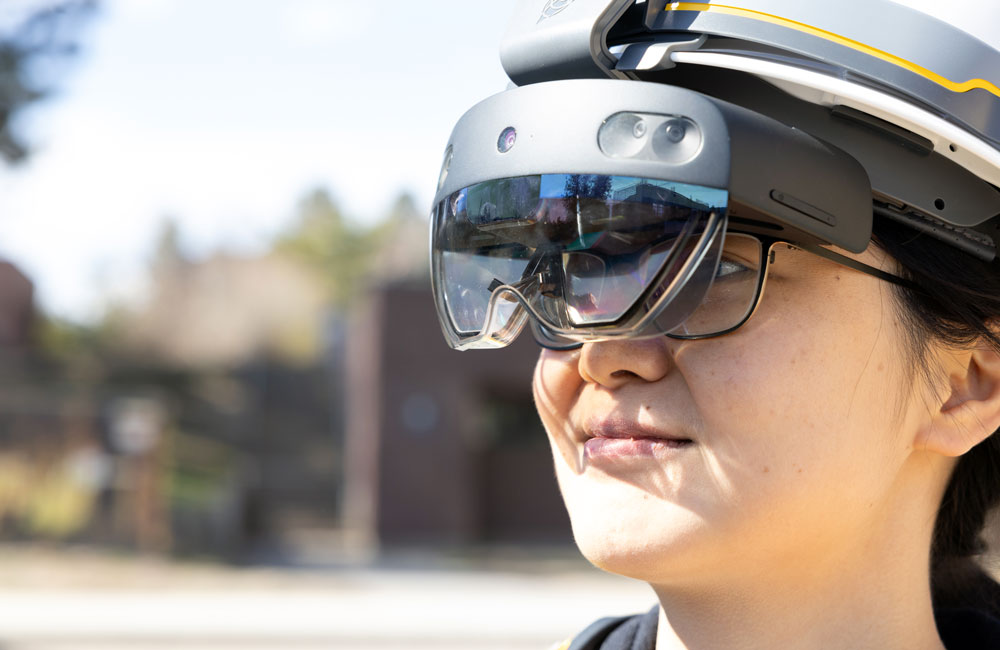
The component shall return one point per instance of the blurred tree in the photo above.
(45, 34)
(401, 242)
(321, 238)
(168, 255)
(349, 256)
(403, 209)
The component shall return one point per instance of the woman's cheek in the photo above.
(556, 382)
(556, 386)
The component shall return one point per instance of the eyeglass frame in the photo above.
(767, 245)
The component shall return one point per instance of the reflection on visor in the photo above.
(575, 251)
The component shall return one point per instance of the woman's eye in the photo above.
(729, 268)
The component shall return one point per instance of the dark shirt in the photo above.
(960, 629)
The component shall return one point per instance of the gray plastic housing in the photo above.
(560, 40)
(792, 184)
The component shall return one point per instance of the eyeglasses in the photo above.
(737, 287)
(740, 279)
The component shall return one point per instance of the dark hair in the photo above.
(959, 305)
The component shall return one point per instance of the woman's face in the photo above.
(781, 446)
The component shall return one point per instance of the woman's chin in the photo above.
(644, 519)
(627, 544)
(649, 563)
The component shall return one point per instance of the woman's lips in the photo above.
(596, 448)
(611, 440)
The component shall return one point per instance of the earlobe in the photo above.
(971, 412)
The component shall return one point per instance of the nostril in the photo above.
(618, 362)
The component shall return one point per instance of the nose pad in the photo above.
(541, 290)
(506, 315)
(504, 324)
(616, 362)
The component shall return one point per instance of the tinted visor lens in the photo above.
(574, 251)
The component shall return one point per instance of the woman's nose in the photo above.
(613, 363)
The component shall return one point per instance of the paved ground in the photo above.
(53, 600)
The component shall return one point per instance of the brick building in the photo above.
(442, 446)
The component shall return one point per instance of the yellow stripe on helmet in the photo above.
(958, 87)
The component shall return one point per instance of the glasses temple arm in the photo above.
(843, 260)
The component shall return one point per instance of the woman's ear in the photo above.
(971, 412)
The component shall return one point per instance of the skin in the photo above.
(800, 513)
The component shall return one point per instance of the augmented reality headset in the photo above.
(600, 208)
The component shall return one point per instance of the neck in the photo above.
(852, 601)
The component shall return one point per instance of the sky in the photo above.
(221, 115)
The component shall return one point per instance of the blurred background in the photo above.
(227, 415)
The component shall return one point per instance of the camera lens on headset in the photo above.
(675, 130)
(507, 139)
(677, 140)
(623, 135)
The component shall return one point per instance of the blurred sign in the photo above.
(136, 424)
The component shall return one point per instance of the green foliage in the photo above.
(404, 209)
(324, 241)
(45, 34)
(345, 254)
(83, 351)
(61, 339)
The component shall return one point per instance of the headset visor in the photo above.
(584, 256)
